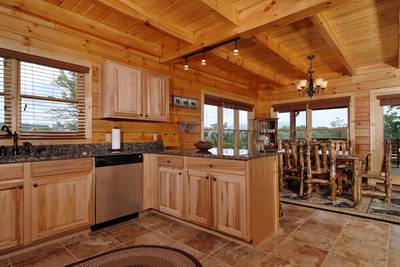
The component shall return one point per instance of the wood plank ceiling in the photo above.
(348, 37)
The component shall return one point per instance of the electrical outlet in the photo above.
(108, 138)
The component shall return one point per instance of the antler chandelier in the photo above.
(310, 87)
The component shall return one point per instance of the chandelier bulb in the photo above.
(186, 66)
(236, 49)
(203, 60)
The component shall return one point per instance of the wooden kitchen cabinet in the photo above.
(122, 91)
(171, 191)
(60, 203)
(133, 93)
(198, 197)
(229, 204)
(11, 213)
(155, 96)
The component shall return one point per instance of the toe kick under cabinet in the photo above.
(235, 197)
(42, 199)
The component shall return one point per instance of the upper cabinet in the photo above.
(132, 93)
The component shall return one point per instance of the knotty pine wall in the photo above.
(358, 86)
(22, 32)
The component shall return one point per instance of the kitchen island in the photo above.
(234, 195)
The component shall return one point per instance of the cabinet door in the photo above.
(155, 97)
(229, 204)
(61, 203)
(122, 91)
(11, 213)
(171, 191)
(197, 197)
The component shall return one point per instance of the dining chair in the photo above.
(321, 166)
(292, 163)
(379, 183)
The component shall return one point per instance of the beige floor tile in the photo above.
(125, 233)
(211, 262)
(195, 253)
(178, 231)
(205, 242)
(275, 261)
(51, 255)
(154, 221)
(232, 253)
(89, 244)
(151, 238)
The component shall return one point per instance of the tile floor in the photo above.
(306, 237)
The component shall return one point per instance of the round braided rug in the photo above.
(141, 256)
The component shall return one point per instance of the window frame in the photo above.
(83, 99)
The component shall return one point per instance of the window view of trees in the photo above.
(391, 122)
(326, 123)
(48, 99)
(228, 130)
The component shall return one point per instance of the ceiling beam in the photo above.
(326, 29)
(250, 66)
(265, 15)
(222, 10)
(264, 40)
(72, 20)
(136, 11)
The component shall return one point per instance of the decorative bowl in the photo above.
(203, 145)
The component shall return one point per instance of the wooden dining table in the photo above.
(357, 162)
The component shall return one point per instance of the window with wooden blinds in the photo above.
(5, 92)
(52, 102)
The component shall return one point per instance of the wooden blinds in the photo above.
(388, 100)
(227, 103)
(52, 102)
(6, 53)
(338, 102)
(5, 92)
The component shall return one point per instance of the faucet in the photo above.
(14, 136)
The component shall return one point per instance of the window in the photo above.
(284, 125)
(51, 100)
(226, 125)
(301, 124)
(50, 96)
(330, 123)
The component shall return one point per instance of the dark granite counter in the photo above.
(212, 154)
(76, 151)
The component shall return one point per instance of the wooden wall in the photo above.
(25, 33)
(358, 87)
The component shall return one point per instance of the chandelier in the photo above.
(310, 87)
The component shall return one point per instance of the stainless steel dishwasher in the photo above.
(118, 188)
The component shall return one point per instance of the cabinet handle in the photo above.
(35, 185)
(146, 115)
(211, 165)
(180, 173)
(214, 179)
(207, 177)
(20, 186)
(140, 115)
(168, 161)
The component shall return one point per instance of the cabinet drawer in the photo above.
(46, 168)
(11, 171)
(223, 165)
(170, 161)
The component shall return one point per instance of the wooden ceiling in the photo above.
(348, 37)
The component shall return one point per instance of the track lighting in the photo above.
(236, 49)
(186, 66)
(203, 60)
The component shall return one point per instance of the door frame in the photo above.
(376, 124)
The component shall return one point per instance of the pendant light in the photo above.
(236, 49)
(203, 60)
(310, 86)
(186, 66)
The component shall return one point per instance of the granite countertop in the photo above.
(77, 151)
(212, 154)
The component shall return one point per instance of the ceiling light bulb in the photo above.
(324, 84)
(318, 82)
(203, 60)
(303, 83)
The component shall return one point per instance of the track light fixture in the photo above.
(203, 60)
(186, 66)
(203, 51)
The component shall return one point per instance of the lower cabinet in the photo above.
(60, 203)
(216, 200)
(197, 197)
(229, 204)
(171, 191)
(11, 213)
